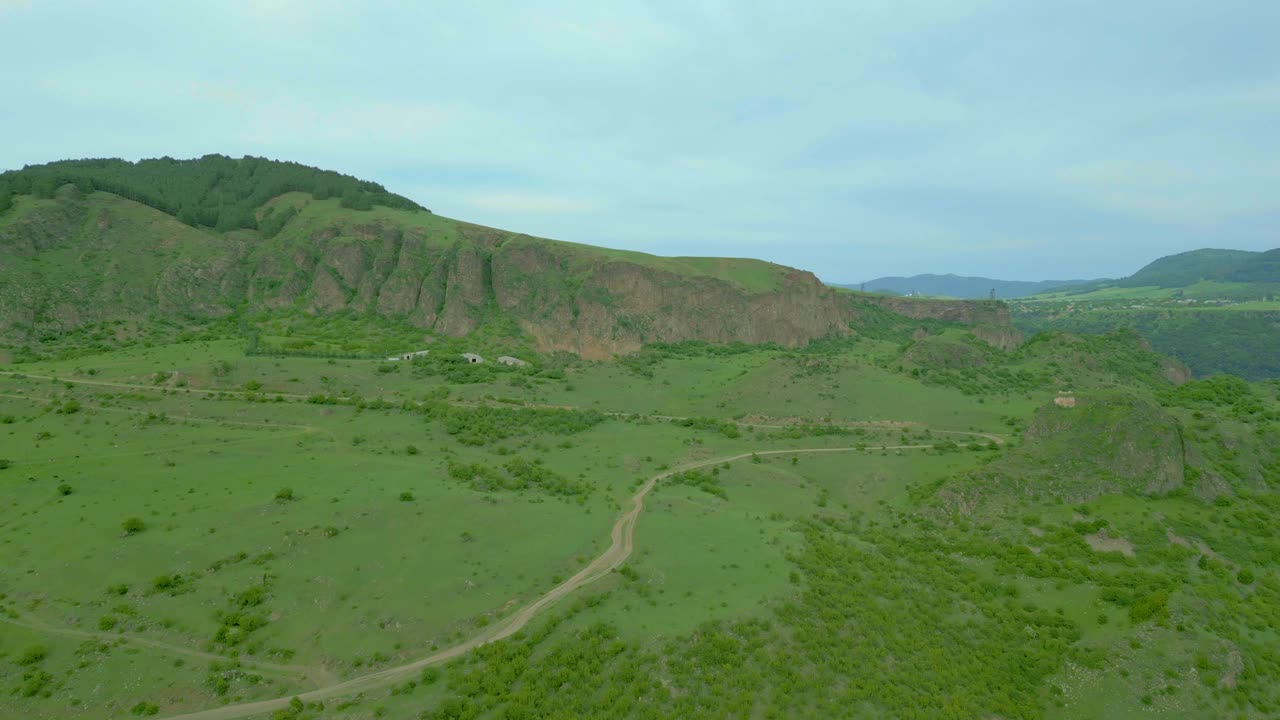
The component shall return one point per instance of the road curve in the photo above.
(620, 546)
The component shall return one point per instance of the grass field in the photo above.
(189, 528)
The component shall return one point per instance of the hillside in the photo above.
(904, 521)
(1216, 310)
(961, 286)
(85, 266)
(1206, 274)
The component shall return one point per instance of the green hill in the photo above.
(1216, 310)
(1198, 274)
(96, 253)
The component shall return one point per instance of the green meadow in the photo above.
(866, 528)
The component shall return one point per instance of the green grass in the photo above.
(377, 554)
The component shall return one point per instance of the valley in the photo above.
(235, 531)
(317, 452)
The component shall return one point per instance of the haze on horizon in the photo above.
(1022, 141)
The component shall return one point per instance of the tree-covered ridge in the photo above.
(214, 191)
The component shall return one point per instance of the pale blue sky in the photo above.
(1014, 139)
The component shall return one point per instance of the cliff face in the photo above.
(115, 259)
(967, 312)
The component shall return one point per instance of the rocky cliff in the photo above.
(83, 258)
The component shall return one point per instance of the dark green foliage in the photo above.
(728, 429)
(284, 495)
(64, 489)
(1210, 342)
(1224, 393)
(214, 191)
(145, 709)
(485, 424)
(517, 474)
(173, 584)
(887, 625)
(1153, 606)
(32, 654)
(704, 481)
(133, 525)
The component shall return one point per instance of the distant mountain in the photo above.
(1207, 273)
(960, 286)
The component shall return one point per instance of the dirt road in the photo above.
(620, 547)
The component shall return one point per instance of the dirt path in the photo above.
(620, 547)
(317, 675)
(471, 403)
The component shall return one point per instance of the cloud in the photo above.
(977, 136)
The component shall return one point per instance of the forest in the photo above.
(215, 191)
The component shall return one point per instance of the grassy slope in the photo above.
(399, 576)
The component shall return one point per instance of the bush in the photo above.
(64, 489)
(285, 495)
(1155, 605)
(1245, 576)
(145, 708)
(411, 450)
(32, 655)
(406, 496)
(5, 463)
(133, 525)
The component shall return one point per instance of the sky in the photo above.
(1010, 139)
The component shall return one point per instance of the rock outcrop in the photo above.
(438, 274)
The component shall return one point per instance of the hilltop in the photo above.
(99, 250)
(962, 286)
(1198, 274)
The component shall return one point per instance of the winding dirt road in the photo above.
(620, 547)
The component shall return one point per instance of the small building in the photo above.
(472, 358)
(512, 361)
(408, 355)
(1065, 400)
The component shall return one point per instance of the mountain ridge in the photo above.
(960, 286)
(77, 259)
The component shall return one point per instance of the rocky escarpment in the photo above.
(118, 260)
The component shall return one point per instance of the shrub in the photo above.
(411, 450)
(32, 655)
(145, 708)
(133, 525)
(406, 496)
(5, 463)
(1245, 576)
(285, 495)
(64, 489)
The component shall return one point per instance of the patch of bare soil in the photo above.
(1235, 663)
(1102, 542)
